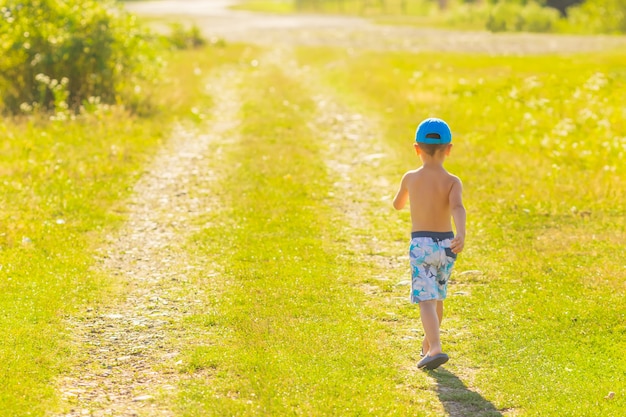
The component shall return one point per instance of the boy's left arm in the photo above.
(458, 214)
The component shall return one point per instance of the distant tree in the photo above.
(562, 5)
(599, 16)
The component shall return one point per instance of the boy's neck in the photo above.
(432, 161)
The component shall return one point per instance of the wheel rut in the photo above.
(131, 363)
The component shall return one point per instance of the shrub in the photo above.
(61, 53)
(599, 16)
(186, 38)
(536, 18)
(504, 17)
(515, 17)
(468, 15)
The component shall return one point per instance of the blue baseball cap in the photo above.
(433, 131)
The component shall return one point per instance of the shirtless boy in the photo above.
(434, 197)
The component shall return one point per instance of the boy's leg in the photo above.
(430, 322)
(425, 345)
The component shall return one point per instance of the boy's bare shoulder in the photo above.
(414, 176)
(409, 175)
(451, 180)
(454, 179)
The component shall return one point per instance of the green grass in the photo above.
(63, 187)
(539, 143)
(62, 182)
(539, 324)
(458, 15)
(266, 6)
(292, 331)
(418, 14)
(389, 9)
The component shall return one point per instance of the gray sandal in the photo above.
(433, 362)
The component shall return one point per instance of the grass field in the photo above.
(62, 184)
(307, 303)
(395, 8)
(541, 154)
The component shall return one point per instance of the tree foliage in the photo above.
(562, 5)
(599, 16)
(64, 52)
(515, 17)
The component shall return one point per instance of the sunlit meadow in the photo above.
(535, 320)
(65, 181)
(535, 316)
(540, 143)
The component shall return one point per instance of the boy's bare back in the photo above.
(431, 192)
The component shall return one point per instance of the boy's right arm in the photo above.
(402, 196)
(458, 214)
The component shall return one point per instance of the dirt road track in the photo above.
(129, 367)
(215, 19)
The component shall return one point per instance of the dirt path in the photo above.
(130, 365)
(132, 347)
(354, 154)
(215, 19)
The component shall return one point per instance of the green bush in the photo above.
(186, 38)
(468, 15)
(504, 17)
(536, 18)
(507, 16)
(599, 16)
(59, 54)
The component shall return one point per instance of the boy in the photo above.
(434, 197)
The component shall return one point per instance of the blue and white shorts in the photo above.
(431, 265)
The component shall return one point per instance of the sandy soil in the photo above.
(130, 364)
(215, 19)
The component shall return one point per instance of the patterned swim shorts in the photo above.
(431, 265)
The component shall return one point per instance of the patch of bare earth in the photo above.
(130, 368)
(354, 157)
(215, 19)
(354, 154)
(131, 363)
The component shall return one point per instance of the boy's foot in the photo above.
(433, 362)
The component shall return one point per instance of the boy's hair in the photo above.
(432, 148)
